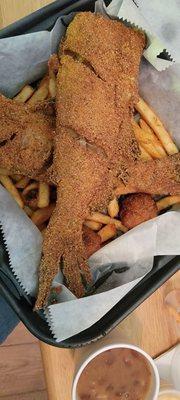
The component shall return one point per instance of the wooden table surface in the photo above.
(151, 326)
(12, 10)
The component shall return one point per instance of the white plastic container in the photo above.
(87, 354)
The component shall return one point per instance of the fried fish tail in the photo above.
(63, 248)
(51, 257)
(159, 177)
(74, 264)
(65, 254)
(73, 277)
(67, 257)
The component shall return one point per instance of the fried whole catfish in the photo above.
(26, 138)
(96, 90)
(95, 147)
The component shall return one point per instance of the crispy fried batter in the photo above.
(109, 49)
(155, 176)
(47, 109)
(137, 208)
(96, 89)
(26, 137)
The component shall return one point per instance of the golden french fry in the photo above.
(52, 85)
(167, 202)
(28, 211)
(146, 128)
(24, 94)
(113, 208)
(144, 154)
(22, 183)
(95, 226)
(143, 124)
(155, 123)
(41, 93)
(29, 195)
(107, 232)
(44, 81)
(9, 185)
(42, 214)
(105, 219)
(31, 186)
(4, 171)
(149, 141)
(44, 195)
(123, 189)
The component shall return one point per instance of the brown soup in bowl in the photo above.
(116, 374)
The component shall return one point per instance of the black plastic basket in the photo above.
(164, 267)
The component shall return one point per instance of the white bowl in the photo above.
(90, 353)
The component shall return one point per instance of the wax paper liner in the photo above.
(24, 63)
(62, 330)
(131, 13)
(22, 242)
(154, 237)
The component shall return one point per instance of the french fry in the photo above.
(43, 195)
(9, 185)
(107, 232)
(30, 187)
(24, 94)
(41, 93)
(113, 208)
(144, 154)
(28, 211)
(52, 85)
(4, 171)
(149, 141)
(123, 189)
(29, 195)
(22, 183)
(155, 123)
(42, 214)
(167, 202)
(95, 226)
(105, 219)
(147, 129)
